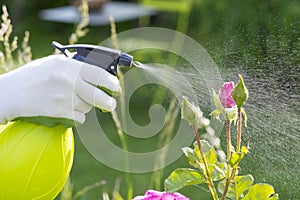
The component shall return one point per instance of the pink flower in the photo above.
(225, 95)
(156, 195)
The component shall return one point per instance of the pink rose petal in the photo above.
(156, 195)
(225, 95)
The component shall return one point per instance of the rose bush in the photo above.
(222, 177)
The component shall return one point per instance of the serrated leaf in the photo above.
(191, 157)
(209, 152)
(261, 191)
(236, 187)
(237, 157)
(181, 178)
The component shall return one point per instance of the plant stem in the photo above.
(209, 180)
(238, 147)
(228, 179)
(228, 136)
(239, 131)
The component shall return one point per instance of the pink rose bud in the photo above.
(225, 95)
(156, 195)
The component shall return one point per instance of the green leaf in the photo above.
(243, 183)
(190, 112)
(237, 157)
(217, 101)
(231, 189)
(245, 150)
(219, 107)
(183, 177)
(209, 152)
(217, 171)
(240, 93)
(236, 187)
(191, 157)
(261, 191)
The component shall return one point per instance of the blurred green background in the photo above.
(254, 35)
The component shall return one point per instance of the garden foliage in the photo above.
(222, 178)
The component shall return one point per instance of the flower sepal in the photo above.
(231, 114)
(222, 113)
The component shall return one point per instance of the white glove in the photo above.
(55, 87)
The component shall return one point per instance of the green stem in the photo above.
(239, 131)
(208, 177)
(238, 147)
(236, 192)
(228, 136)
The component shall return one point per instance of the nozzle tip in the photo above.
(125, 60)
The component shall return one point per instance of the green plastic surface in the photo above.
(35, 160)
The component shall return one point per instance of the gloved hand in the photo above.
(55, 89)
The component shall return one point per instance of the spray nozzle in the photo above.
(103, 57)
